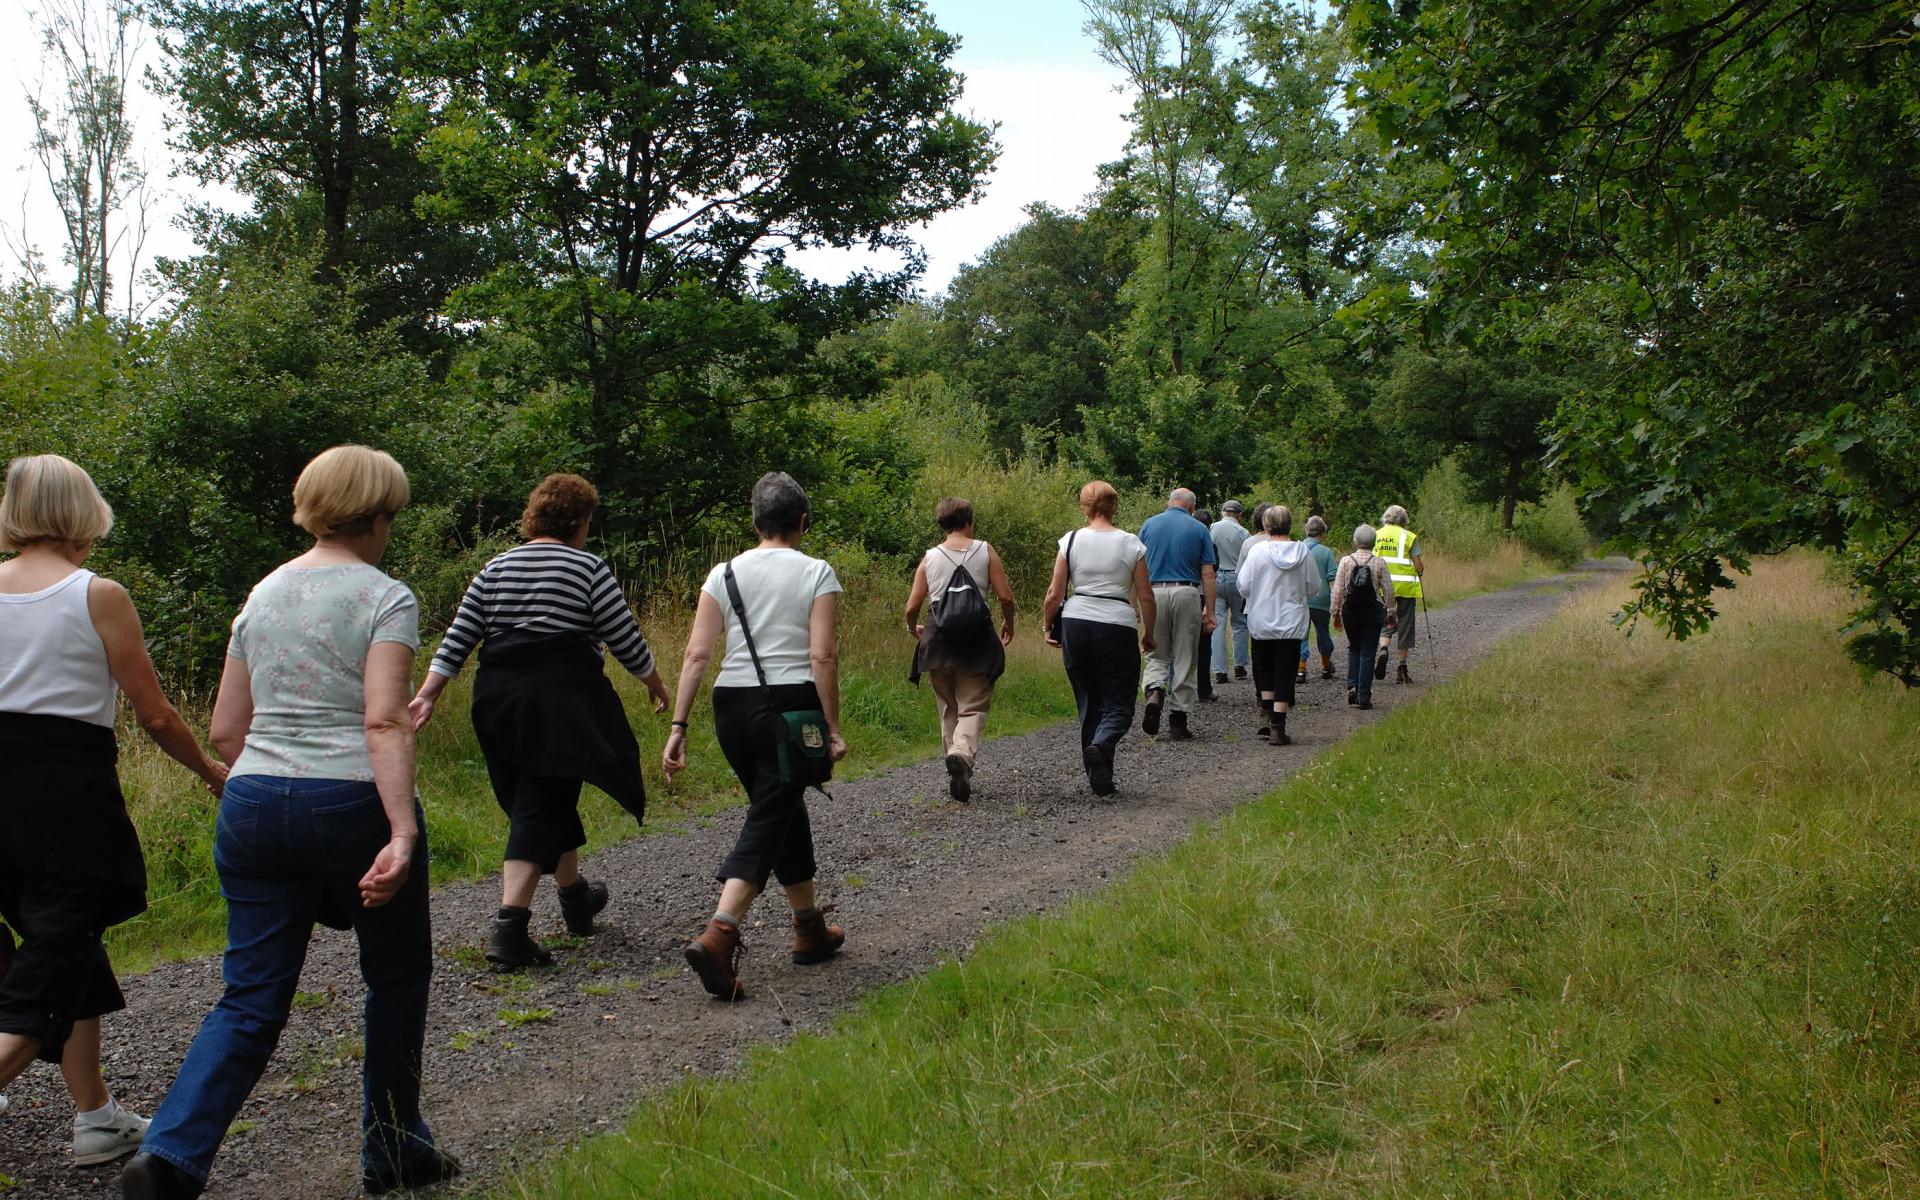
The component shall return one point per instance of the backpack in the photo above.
(960, 613)
(1363, 595)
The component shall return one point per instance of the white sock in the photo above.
(99, 1116)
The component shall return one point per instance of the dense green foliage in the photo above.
(1717, 205)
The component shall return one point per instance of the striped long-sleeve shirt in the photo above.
(545, 587)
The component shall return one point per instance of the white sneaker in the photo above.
(102, 1143)
(3, 1103)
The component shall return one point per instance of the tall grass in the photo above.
(1637, 920)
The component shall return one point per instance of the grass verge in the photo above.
(1637, 919)
(887, 720)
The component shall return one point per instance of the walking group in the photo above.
(314, 724)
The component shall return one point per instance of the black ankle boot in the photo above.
(580, 903)
(509, 948)
(1177, 728)
(146, 1177)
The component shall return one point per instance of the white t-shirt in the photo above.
(1100, 575)
(778, 587)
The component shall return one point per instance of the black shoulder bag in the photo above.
(1053, 626)
(801, 739)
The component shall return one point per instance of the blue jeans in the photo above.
(1362, 642)
(1322, 636)
(290, 853)
(1230, 615)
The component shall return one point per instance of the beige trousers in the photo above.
(1174, 666)
(964, 698)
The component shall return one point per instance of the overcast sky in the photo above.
(1029, 66)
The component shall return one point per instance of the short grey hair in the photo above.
(1363, 536)
(1184, 497)
(1395, 515)
(1278, 519)
(1316, 525)
(780, 505)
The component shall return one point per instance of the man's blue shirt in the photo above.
(1177, 546)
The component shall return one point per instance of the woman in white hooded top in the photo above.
(1277, 578)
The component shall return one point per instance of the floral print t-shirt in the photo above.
(304, 636)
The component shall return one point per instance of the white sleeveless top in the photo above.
(52, 662)
(942, 563)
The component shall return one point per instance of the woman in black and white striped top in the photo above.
(547, 717)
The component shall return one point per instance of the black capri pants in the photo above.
(543, 815)
(59, 973)
(777, 837)
(1275, 660)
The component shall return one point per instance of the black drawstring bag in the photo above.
(960, 613)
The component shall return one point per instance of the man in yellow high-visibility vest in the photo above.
(1399, 547)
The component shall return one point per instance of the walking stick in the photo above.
(1426, 623)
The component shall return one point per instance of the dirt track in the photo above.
(916, 877)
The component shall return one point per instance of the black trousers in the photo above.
(1275, 662)
(1103, 664)
(543, 815)
(777, 837)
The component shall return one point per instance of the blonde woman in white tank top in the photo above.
(70, 863)
(962, 675)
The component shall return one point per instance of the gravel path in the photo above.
(916, 877)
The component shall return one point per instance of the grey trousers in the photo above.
(1174, 666)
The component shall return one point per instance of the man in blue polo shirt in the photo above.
(1180, 563)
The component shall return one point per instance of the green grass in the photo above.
(1636, 920)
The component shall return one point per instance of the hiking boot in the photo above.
(959, 778)
(1364, 704)
(509, 948)
(1219, 677)
(1380, 666)
(1099, 764)
(434, 1166)
(715, 958)
(815, 941)
(1301, 675)
(1400, 674)
(148, 1178)
(1177, 728)
(1239, 672)
(108, 1140)
(1280, 738)
(1326, 667)
(1353, 695)
(1150, 724)
(580, 904)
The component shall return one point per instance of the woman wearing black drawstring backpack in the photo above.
(957, 647)
(776, 704)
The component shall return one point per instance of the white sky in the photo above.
(1026, 62)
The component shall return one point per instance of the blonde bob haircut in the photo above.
(50, 499)
(1098, 499)
(344, 488)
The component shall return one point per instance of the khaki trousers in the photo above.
(1174, 666)
(964, 698)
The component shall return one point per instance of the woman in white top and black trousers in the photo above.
(963, 663)
(70, 862)
(546, 715)
(791, 606)
(1099, 634)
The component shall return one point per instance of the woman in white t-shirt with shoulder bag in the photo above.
(1102, 628)
(792, 609)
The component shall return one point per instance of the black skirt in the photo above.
(543, 705)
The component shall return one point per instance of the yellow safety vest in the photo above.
(1396, 546)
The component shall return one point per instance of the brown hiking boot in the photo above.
(1400, 675)
(815, 941)
(715, 958)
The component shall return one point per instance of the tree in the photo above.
(293, 104)
(1024, 326)
(84, 141)
(1494, 414)
(659, 158)
(1718, 197)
